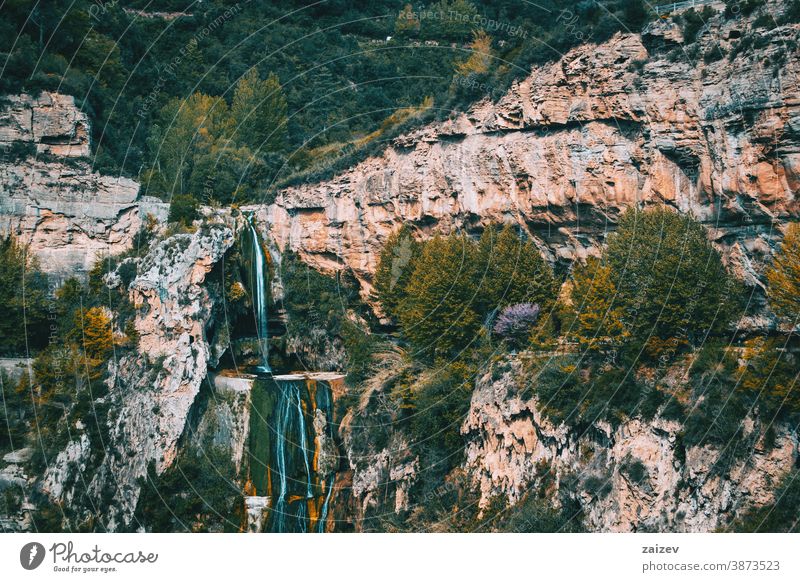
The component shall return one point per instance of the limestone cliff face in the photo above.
(153, 389)
(49, 195)
(566, 150)
(512, 448)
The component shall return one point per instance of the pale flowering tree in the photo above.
(516, 321)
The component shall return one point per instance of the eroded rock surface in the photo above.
(50, 196)
(628, 478)
(566, 150)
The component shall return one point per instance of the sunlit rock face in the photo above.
(153, 389)
(569, 148)
(50, 196)
(512, 448)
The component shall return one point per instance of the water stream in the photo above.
(291, 461)
(260, 308)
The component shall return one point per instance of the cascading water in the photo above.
(291, 439)
(259, 285)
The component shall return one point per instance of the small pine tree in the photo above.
(97, 338)
(480, 57)
(438, 314)
(596, 322)
(395, 266)
(783, 277)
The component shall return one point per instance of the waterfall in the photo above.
(260, 271)
(292, 448)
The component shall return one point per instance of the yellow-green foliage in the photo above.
(442, 297)
(480, 58)
(784, 276)
(596, 322)
(394, 269)
(438, 313)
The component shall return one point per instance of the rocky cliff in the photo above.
(633, 477)
(50, 196)
(640, 119)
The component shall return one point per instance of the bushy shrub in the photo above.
(395, 266)
(183, 209)
(784, 276)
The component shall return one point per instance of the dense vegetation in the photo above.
(351, 73)
(657, 298)
(24, 295)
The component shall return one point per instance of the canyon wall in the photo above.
(49, 195)
(635, 120)
(512, 448)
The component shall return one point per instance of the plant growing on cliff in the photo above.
(23, 295)
(515, 322)
(395, 266)
(672, 288)
(510, 270)
(596, 318)
(438, 315)
(783, 277)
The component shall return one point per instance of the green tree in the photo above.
(783, 276)
(187, 129)
(183, 209)
(438, 315)
(395, 266)
(259, 113)
(511, 270)
(23, 295)
(596, 316)
(671, 284)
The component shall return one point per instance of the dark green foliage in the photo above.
(536, 514)
(324, 308)
(196, 494)
(313, 299)
(782, 516)
(328, 57)
(693, 21)
(510, 271)
(395, 266)
(582, 396)
(438, 314)
(670, 281)
(440, 404)
(24, 293)
(717, 407)
(183, 209)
